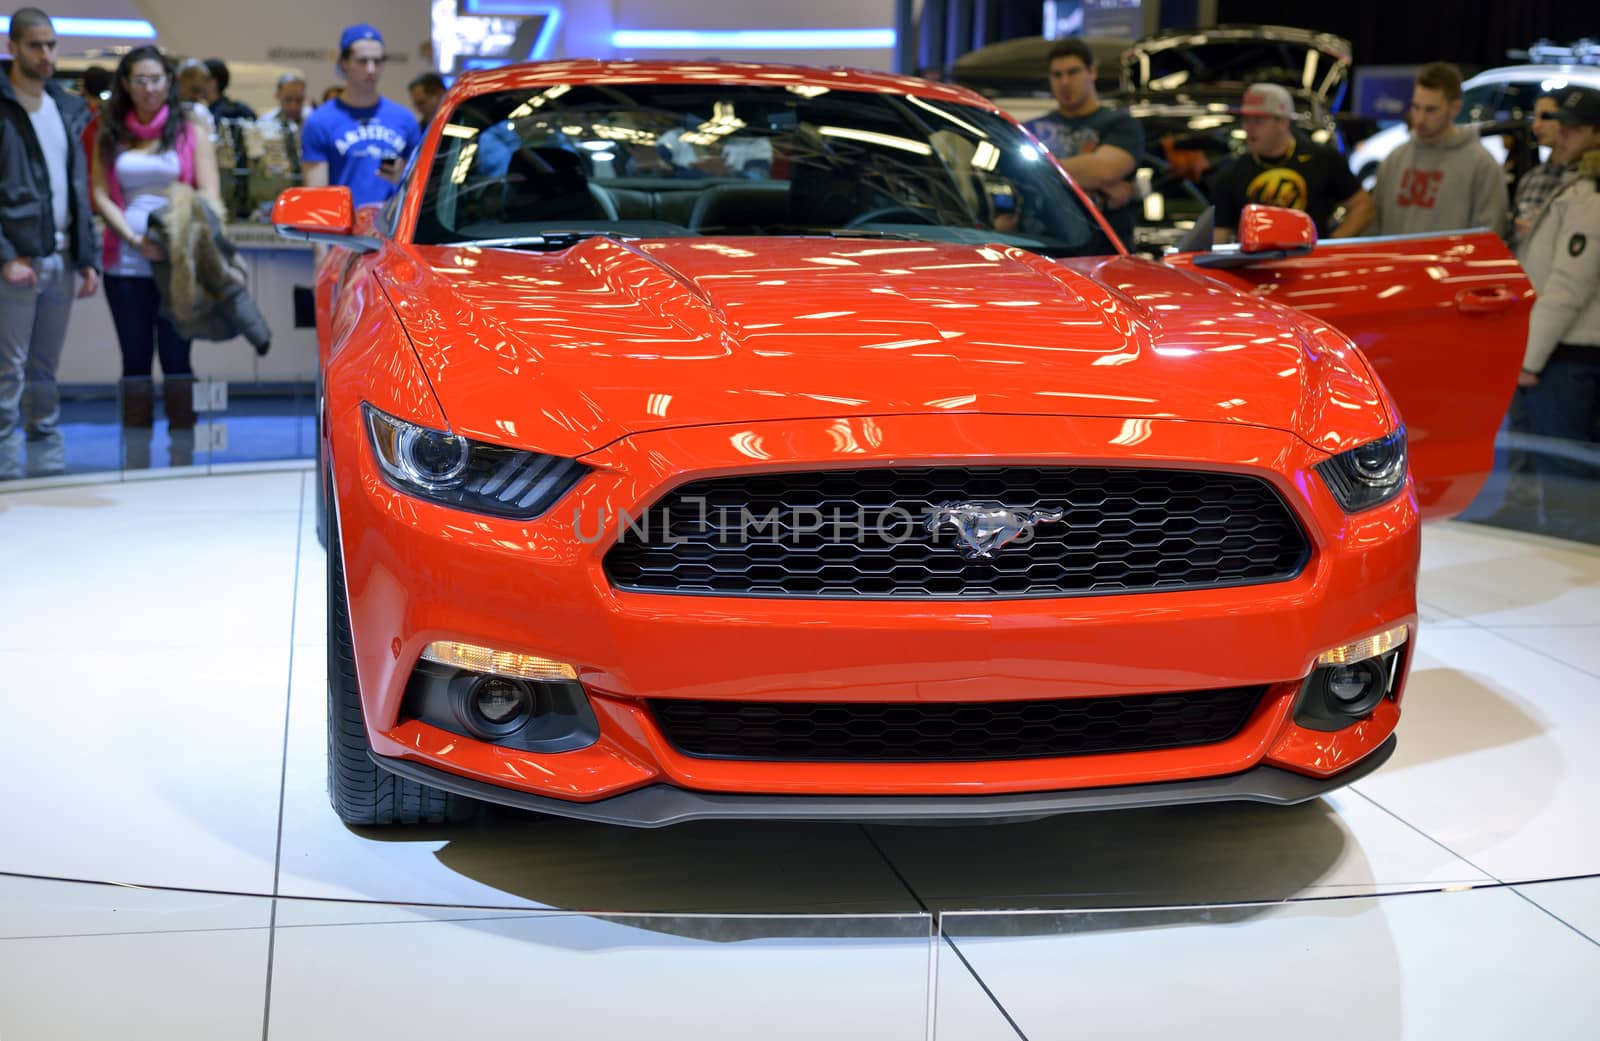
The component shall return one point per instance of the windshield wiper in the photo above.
(552, 239)
(872, 233)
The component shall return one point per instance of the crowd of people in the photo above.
(135, 150)
(117, 150)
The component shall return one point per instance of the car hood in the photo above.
(565, 352)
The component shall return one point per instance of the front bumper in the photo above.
(660, 805)
(419, 573)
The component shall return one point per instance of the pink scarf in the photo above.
(145, 132)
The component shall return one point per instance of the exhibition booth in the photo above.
(289, 657)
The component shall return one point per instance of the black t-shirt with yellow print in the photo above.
(1309, 178)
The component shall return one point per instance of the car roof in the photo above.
(586, 71)
(1585, 74)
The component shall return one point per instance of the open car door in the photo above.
(1442, 319)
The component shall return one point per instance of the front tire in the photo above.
(362, 792)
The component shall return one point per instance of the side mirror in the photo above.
(324, 214)
(1267, 229)
(1265, 233)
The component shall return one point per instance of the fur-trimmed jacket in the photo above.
(1562, 259)
(203, 279)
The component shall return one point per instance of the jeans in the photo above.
(142, 331)
(1563, 404)
(33, 329)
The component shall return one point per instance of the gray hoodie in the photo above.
(1444, 185)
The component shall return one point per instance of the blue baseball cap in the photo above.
(356, 33)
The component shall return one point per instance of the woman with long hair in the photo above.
(147, 143)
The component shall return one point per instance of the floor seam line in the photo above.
(1518, 890)
(1541, 652)
(1423, 888)
(933, 952)
(930, 1014)
(893, 868)
(1515, 887)
(993, 997)
(283, 762)
(134, 932)
(1380, 806)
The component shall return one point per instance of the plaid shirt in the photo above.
(1537, 187)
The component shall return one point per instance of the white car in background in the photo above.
(1492, 96)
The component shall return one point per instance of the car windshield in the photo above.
(537, 167)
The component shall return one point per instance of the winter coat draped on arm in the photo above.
(203, 280)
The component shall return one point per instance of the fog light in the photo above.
(1355, 689)
(491, 707)
(499, 700)
(1343, 689)
(499, 663)
(1349, 682)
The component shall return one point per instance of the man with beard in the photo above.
(1442, 179)
(1097, 145)
(1279, 169)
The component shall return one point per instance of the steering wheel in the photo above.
(871, 216)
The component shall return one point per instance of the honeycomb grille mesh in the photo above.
(952, 732)
(849, 534)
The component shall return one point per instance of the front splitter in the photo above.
(660, 805)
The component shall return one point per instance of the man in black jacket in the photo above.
(45, 236)
(222, 106)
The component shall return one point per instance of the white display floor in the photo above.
(161, 686)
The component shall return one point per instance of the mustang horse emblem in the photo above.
(986, 526)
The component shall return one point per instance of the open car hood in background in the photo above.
(1206, 111)
(1234, 55)
(1021, 66)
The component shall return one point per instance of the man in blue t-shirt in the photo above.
(359, 139)
(1098, 146)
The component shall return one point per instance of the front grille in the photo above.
(1121, 531)
(952, 732)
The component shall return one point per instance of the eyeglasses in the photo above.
(148, 82)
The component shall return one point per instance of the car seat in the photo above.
(758, 205)
(549, 184)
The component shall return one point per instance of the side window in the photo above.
(1477, 103)
(1516, 101)
(389, 215)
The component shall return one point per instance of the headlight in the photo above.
(468, 475)
(1368, 474)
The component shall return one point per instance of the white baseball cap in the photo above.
(1267, 99)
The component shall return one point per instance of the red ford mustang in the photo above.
(762, 442)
